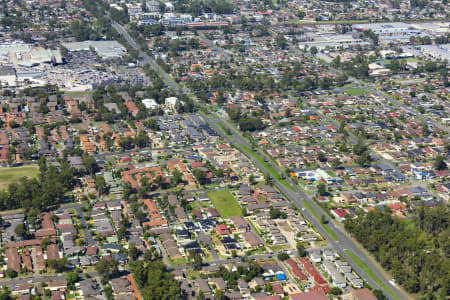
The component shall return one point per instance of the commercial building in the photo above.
(397, 30)
(104, 49)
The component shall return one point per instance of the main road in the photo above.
(144, 56)
(342, 243)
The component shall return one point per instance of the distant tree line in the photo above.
(198, 7)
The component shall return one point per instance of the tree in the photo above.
(301, 251)
(121, 233)
(335, 163)
(336, 291)
(322, 189)
(10, 273)
(219, 295)
(126, 143)
(251, 179)
(268, 179)
(372, 35)
(107, 268)
(59, 265)
(277, 214)
(155, 281)
(420, 264)
(33, 217)
(281, 41)
(161, 181)
(196, 260)
(364, 159)
(177, 177)
(100, 185)
(72, 278)
(282, 256)
(142, 140)
(425, 130)
(321, 157)
(359, 147)
(250, 124)
(200, 175)
(152, 124)
(379, 294)
(108, 292)
(45, 242)
(439, 163)
(20, 230)
(201, 295)
(90, 164)
(133, 251)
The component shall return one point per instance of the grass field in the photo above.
(356, 92)
(225, 203)
(371, 274)
(268, 167)
(78, 93)
(224, 129)
(179, 261)
(326, 227)
(11, 175)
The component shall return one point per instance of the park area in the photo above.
(356, 92)
(10, 175)
(225, 203)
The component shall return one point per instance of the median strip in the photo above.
(358, 261)
(271, 170)
(325, 227)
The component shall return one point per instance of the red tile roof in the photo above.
(295, 269)
(13, 259)
(309, 296)
(311, 270)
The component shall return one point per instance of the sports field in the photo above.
(13, 174)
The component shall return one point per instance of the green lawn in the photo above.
(268, 167)
(78, 93)
(179, 261)
(370, 273)
(223, 129)
(325, 227)
(225, 203)
(356, 92)
(310, 209)
(11, 175)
